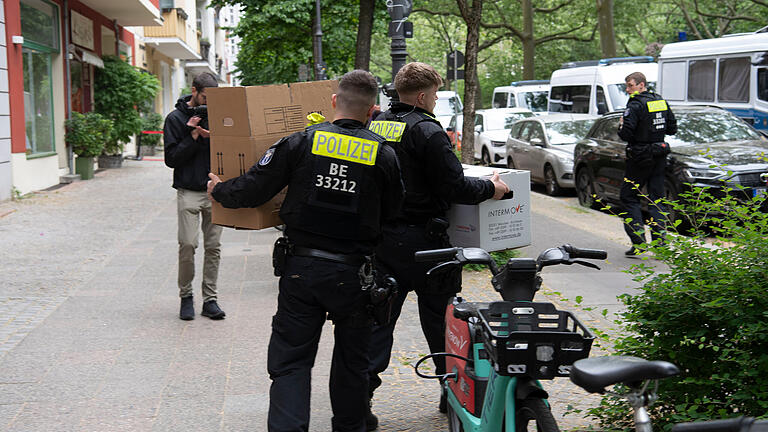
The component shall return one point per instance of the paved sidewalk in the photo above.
(90, 338)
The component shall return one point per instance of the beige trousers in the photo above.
(192, 207)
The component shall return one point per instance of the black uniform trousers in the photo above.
(310, 288)
(651, 176)
(394, 256)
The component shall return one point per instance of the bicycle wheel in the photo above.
(454, 424)
(533, 414)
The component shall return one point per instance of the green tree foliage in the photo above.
(119, 89)
(87, 133)
(151, 122)
(277, 37)
(708, 314)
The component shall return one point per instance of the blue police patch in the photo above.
(267, 158)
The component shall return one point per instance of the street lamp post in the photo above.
(317, 42)
(399, 30)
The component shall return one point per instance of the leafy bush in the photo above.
(119, 89)
(87, 133)
(708, 314)
(151, 122)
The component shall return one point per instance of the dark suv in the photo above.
(706, 136)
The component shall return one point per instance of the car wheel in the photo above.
(485, 157)
(585, 189)
(550, 181)
(672, 195)
(510, 163)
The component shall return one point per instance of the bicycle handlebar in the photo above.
(738, 424)
(435, 255)
(575, 252)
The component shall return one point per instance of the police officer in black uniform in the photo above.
(343, 182)
(645, 122)
(433, 179)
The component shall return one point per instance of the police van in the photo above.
(730, 72)
(597, 86)
(529, 94)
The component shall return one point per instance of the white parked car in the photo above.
(448, 104)
(491, 132)
(544, 146)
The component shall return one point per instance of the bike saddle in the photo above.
(596, 373)
(466, 310)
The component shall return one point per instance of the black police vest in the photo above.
(652, 119)
(335, 193)
(396, 128)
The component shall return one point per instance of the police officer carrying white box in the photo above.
(433, 179)
(343, 182)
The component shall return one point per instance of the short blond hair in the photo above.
(415, 77)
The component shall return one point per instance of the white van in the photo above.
(597, 86)
(730, 72)
(529, 94)
(448, 104)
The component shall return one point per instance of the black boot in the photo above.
(187, 310)
(212, 310)
(371, 421)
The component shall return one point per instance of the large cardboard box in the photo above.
(245, 122)
(494, 224)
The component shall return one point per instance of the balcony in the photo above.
(127, 12)
(174, 39)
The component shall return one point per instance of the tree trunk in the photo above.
(471, 14)
(529, 43)
(364, 30)
(605, 24)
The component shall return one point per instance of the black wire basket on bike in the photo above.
(533, 339)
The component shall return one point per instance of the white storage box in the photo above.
(494, 224)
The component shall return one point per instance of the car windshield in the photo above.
(495, 121)
(568, 132)
(535, 101)
(446, 107)
(619, 95)
(710, 126)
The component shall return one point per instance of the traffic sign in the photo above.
(455, 59)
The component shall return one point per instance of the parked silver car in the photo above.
(544, 146)
(491, 132)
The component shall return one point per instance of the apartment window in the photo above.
(40, 28)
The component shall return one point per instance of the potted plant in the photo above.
(119, 89)
(150, 122)
(87, 134)
(205, 46)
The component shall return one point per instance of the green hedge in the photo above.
(708, 315)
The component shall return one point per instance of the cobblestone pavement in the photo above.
(90, 339)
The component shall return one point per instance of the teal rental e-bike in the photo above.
(497, 352)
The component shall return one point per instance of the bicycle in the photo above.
(641, 378)
(497, 352)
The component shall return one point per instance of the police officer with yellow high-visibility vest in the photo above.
(643, 126)
(343, 183)
(433, 179)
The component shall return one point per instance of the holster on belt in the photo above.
(279, 254)
(382, 291)
(437, 229)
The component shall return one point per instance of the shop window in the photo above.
(38, 102)
(40, 28)
(40, 23)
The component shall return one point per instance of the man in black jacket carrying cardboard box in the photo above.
(187, 151)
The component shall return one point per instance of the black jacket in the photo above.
(647, 119)
(340, 209)
(432, 173)
(189, 158)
